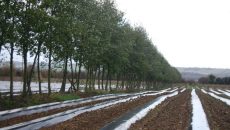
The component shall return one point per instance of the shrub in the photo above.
(5, 71)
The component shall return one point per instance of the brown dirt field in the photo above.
(173, 114)
(220, 86)
(218, 113)
(95, 120)
(24, 118)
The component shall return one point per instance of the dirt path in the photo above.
(218, 113)
(25, 118)
(172, 114)
(96, 119)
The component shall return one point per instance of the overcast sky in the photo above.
(189, 33)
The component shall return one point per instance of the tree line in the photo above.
(92, 34)
(212, 79)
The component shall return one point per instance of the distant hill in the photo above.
(196, 73)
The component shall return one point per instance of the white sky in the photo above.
(189, 33)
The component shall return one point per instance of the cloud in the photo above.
(189, 33)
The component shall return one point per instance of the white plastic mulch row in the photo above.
(213, 91)
(107, 96)
(199, 119)
(143, 112)
(49, 106)
(65, 103)
(160, 92)
(227, 101)
(63, 116)
(45, 107)
(224, 92)
(54, 103)
(183, 90)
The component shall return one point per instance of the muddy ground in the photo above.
(95, 120)
(217, 112)
(173, 114)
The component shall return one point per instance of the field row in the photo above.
(174, 108)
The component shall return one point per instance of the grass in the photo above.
(191, 86)
(64, 97)
(35, 99)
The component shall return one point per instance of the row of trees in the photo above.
(211, 79)
(89, 33)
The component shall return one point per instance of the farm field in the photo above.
(114, 65)
(173, 108)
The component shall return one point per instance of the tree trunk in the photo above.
(94, 78)
(90, 79)
(64, 76)
(11, 69)
(72, 75)
(107, 79)
(38, 72)
(24, 93)
(102, 78)
(11, 64)
(123, 82)
(87, 80)
(49, 71)
(75, 70)
(98, 76)
(117, 82)
(31, 72)
(110, 85)
(78, 77)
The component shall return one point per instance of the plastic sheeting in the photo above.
(226, 93)
(131, 117)
(213, 91)
(49, 106)
(183, 90)
(63, 116)
(227, 101)
(199, 119)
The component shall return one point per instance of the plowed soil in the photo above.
(25, 118)
(173, 114)
(217, 112)
(95, 120)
